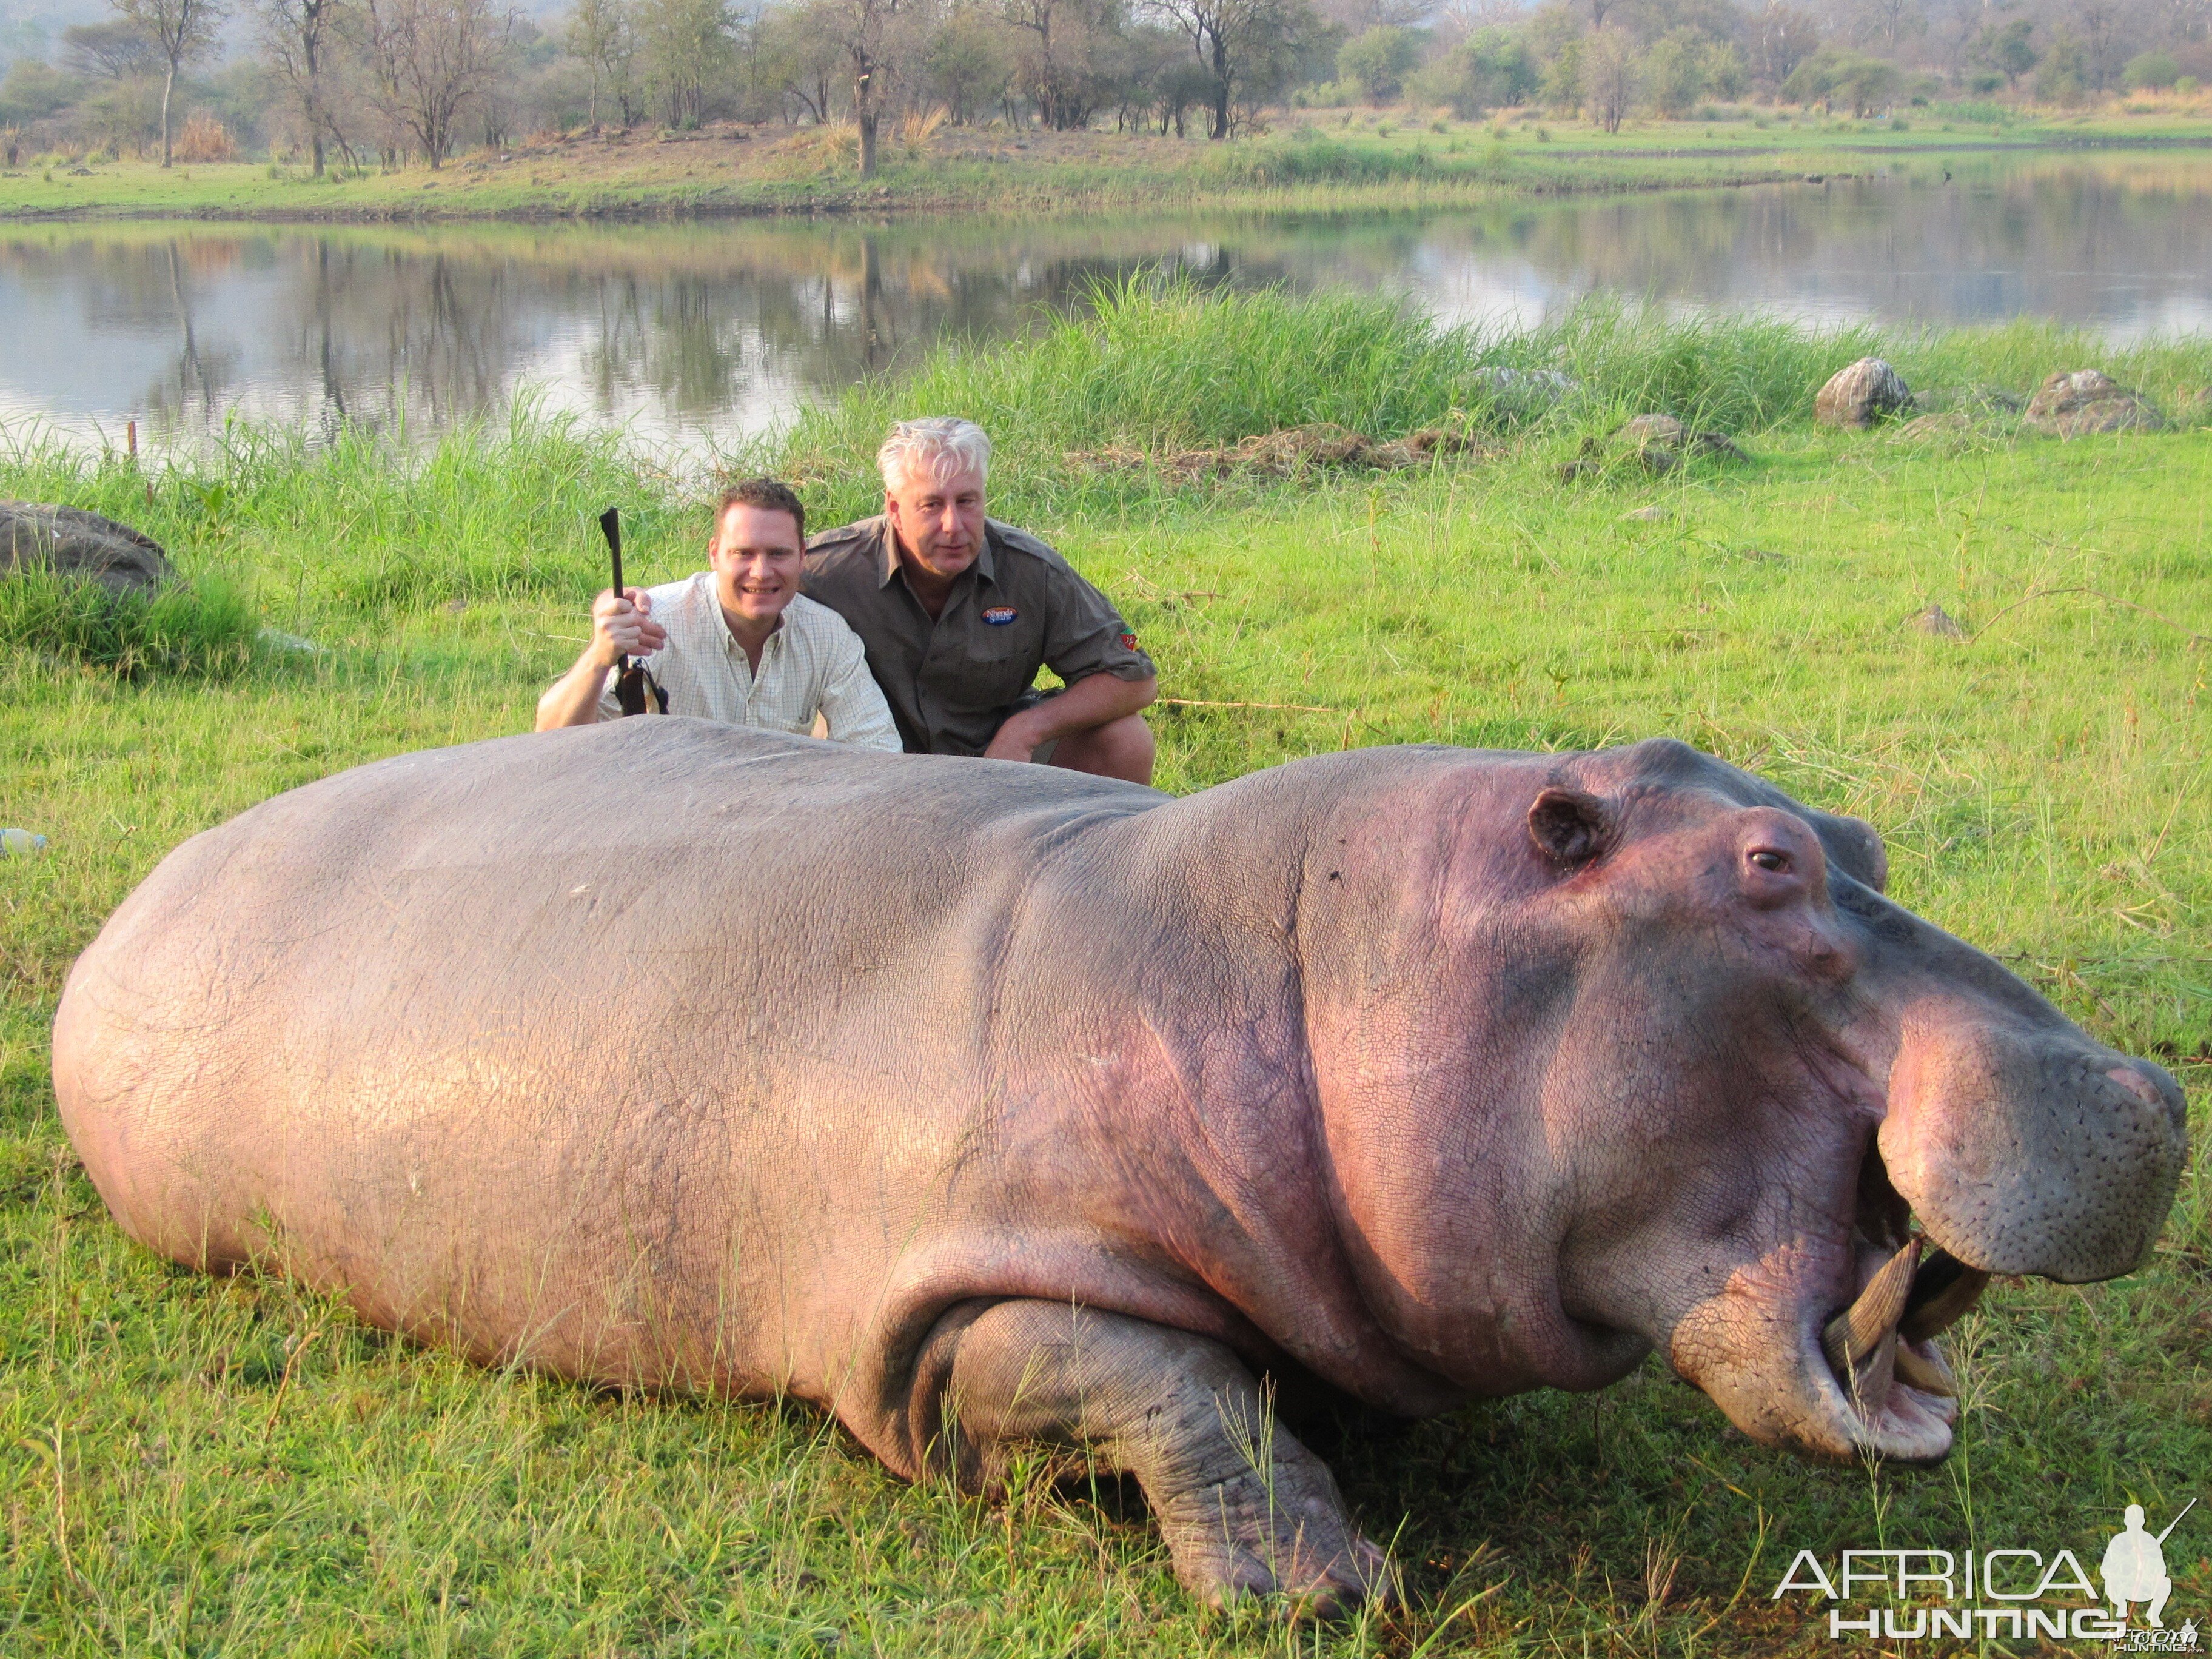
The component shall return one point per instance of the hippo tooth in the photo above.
(1942, 1292)
(1853, 1335)
(1927, 1372)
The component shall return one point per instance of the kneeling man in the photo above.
(959, 611)
(737, 642)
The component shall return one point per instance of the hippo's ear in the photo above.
(1570, 827)
(1855, 846)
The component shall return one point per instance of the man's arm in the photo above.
(853, 703)
(622, 626)
(1092, 700)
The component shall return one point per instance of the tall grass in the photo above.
(1158, 366)
(367, 524)
(205, 628)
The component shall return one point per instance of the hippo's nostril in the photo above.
(2137, 1084)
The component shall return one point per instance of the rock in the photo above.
(1935, 621)
(74, 542)
(1866, 392)
(1285, 453)
(2087, 401)
(1716, 446)
(1922, 428)
(1523, 391)
(1653, 429)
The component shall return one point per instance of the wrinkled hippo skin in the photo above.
(986, 1103)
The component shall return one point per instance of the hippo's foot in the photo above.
(1274, 1526)
(1244, 1507)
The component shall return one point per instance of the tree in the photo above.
(1491, 67)
(1609, 76)
(602, 35)
(1246, 47)
(878, 42)
(967, 65)
(297, 36)
(1837, 72)
(2007, 51)
(682, 44)
(800, 55)
(1377, 62)
(1782, 36)
(111, 51)
(183, 30)
(2154, 70)
(431, 56)
(1675, 71)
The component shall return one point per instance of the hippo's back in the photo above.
(524, 1043)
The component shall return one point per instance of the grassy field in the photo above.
(189, 1466)
(1322, 160)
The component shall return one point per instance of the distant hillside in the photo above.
(33, 28)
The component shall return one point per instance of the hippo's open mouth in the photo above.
(1878, 1357)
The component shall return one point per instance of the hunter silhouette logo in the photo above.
(2135, 1569)
(2014, 1594)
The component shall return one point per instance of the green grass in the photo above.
(194, 1467)
(1315, 160)
(203, 628)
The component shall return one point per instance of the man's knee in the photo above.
(1121, 748)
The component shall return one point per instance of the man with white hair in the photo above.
(959, 613)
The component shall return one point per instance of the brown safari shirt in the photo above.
(952, 682)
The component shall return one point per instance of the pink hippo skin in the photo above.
(983, 1103)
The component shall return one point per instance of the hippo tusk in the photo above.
(1927, 1372)
(1853, 1336)
(1942, 1292)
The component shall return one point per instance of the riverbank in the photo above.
(1318, 161)
(191, 1461)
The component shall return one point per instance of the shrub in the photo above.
(204, 628)
(1489, 70)
(204, 138)
(2154, 71)
(1378, 61)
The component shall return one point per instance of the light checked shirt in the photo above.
(813, 663)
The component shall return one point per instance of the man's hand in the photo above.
(1081, 717)
(623, 626)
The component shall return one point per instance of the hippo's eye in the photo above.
(1767, 858)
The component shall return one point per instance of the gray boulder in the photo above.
(75, 543)
(2076, 405)
(1866, 392)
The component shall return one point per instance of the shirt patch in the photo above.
(1128, 641)
(997, 615)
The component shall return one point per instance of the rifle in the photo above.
(632, 684)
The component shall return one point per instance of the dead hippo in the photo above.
(985, 1103)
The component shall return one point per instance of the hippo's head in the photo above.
(1635, 1052)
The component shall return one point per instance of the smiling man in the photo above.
(959, 613)
(737, 642)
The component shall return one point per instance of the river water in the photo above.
(698, 336)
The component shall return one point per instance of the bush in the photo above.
(1490, 70)
(1378, 61)
(2154, 71)
(203, 630)
(204, 138)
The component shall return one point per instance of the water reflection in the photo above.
(701, 335)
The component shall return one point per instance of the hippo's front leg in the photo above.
(1244, 1506)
